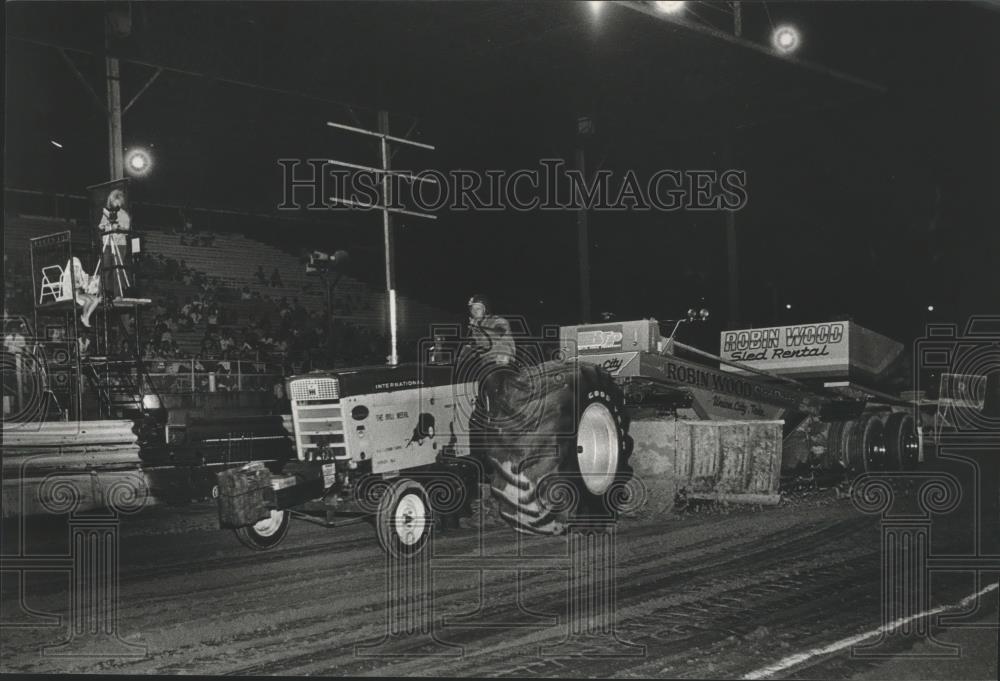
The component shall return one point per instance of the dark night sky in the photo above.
(860, 203)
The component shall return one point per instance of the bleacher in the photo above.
(233, 259)
(354, 301)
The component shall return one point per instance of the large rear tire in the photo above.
(267, 533)
(561, 462)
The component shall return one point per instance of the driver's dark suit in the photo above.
(491, 339)
(492, 346)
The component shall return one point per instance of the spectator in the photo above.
(14, 341)
(172, 270)
(223, 377)
(226, 343)
(276, 278)
(281, 403)
(261, 275)
(213, 319)
(245, 293)
(187, 227)
(299, 314)
(207, 348)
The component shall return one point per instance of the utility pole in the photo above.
(385, 172)
(732, 248)
(113, 21)
(390, 262)
(584, 128)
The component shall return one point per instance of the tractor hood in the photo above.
(368, 380)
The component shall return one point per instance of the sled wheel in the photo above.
(563, 464)
(267, 533)
(835, 437)
(867, 445)
(404, 518)
(901, 443)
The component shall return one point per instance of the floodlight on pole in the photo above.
(670, 6)
(138, 162)
(786, 39)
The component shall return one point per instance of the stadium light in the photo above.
(670, 6)
(786, 39)
(596, 6)
(788, 306)
(138, 162)
(930, 308)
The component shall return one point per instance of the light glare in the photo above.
(786, 38)
(138, 162)
(670, 6)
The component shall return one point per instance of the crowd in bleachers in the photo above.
(279, 329)
(17, 290)
(210, 307)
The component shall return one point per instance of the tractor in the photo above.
(399, 445)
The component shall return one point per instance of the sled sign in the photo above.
(798, 348)
(600, 338)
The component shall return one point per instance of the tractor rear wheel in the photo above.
(567, 451)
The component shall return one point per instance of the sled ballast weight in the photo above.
(400, 444)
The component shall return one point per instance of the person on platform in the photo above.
(115, 225)
(88, 292)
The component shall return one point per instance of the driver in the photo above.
(492, 341)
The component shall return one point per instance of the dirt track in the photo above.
(713, 595)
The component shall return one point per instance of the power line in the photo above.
(347, 106)
(768, 12)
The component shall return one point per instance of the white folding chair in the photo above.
(52, 283)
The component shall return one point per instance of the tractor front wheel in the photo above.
(404, 518)
(267, 533)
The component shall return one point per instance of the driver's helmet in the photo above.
(480, 298)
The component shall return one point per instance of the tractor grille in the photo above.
(315, 389)
(318, 419)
